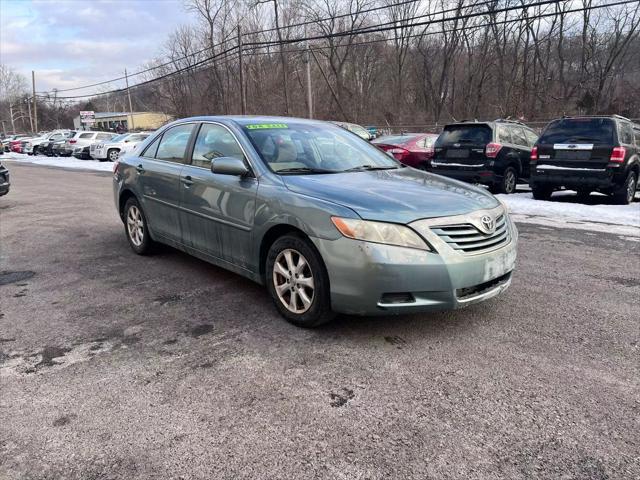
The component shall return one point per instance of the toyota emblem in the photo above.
(488, 224)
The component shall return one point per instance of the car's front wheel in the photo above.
(298, 281)
(135, 226)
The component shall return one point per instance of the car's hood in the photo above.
(399, 196)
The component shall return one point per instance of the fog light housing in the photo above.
(397, 297)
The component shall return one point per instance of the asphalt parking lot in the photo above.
(116, 366)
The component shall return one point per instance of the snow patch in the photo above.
(564, 211)
(61, 162)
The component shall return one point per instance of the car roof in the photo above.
(242, 120)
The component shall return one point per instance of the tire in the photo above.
(507, 183)
(288, 253)
(135, 228)
(541, 192)
(112, 154)
(623, 195)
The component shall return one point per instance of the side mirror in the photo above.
(127, 141)
(229, 166)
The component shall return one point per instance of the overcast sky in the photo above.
(76, 42)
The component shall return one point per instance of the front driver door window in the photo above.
(217, 209)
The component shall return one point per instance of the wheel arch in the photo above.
(125, 195)
(270, 236)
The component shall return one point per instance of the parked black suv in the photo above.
(492, 153)
(586, 154)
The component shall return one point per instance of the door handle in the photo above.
(140, 169)
(187, 181)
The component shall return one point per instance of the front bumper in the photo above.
(364, 276)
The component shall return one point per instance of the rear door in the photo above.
(462, 146)
(577, 143)
(217, 210)
(158, 169)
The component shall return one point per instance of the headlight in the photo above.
(379, 232)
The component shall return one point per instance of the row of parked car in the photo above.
(82, 144)
(583, 153)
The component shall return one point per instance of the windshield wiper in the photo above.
(305, 170)
(582, 139)
(361, 168)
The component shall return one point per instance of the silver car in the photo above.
(329, 223)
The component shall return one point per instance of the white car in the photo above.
(33, 145)
(83, 139)
(121, 144)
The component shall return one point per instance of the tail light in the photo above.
(73, 140)
(492, 150)
(398, 153)
(534, 154)
(116, 165)
(618, 154)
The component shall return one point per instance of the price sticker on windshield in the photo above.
(263, 126)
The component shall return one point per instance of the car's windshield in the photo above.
(298, 148)
(579, 130)
(119, 138)
(473, 134)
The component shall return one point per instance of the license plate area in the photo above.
(572, 154)
(462, 153)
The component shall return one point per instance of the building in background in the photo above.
(128, 121)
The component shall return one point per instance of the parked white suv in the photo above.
(78, 145)
(111, 149)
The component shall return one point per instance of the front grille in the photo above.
(466, 238)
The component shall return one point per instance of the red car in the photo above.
(15, 146)
(412, 149)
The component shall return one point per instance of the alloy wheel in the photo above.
(631, 188)
(293, 281)
(135, 225)
(510, 182)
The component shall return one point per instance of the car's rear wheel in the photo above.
(507, 183)
(135, 226)
(624, 194)
(112, 154)
(541, 192)
(298, 281)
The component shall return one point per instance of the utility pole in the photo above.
(243, 92)
(30, 117)
(307, 60)
(126, 79)
(35, 105)
(55, 98)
